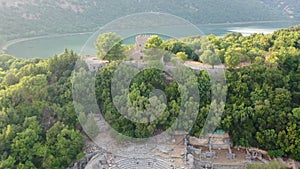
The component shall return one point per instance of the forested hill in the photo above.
(39, 127)
(289, 7)
(24, 18)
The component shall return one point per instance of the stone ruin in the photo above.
(94, 64)
(214, 151)
(137, 52)
(178, 151)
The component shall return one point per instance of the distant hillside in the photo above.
(288, 7)
(26, 18)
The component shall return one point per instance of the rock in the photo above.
(190, 158)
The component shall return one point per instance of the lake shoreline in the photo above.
(6, 45)
(33, 49)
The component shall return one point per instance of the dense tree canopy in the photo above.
(261, 108)
(154, 42)
(38, 121)
(37, 128)
(109, 46)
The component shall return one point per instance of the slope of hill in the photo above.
(26, 18)
(288, 7)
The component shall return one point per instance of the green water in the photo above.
(46, 47)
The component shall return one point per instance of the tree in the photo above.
(155, 54)
(64, 145)
(109, 47)
(182, 56)
(8, 163)
(296, 113)
(23, 145)
(34, 95)
(253, 53)
(209, 57)
(290, 140)
(82, 118)
(175, 46)
(10, 79)
(272, 59)
(154, 42)
(233, 57)
(91, 127)
(4, 120)
(6, 136)
(53, 132)
(267, 139)
(62, 65)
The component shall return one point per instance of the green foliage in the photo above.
(10, 79)
(276, 153)
(8, 163)
(272, 165)
(154, 42)
(208, 53)
(90, 126)
(210, 58)
(62, 65)
(296, 112)
(152, 120)
(182, 56)
(35, 99)
(261, 109)
(176, 46)
(233, 57)
(68, 145)
(109, 47)
(82, 118)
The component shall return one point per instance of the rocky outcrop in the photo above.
(81, 164)
(90, 151)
